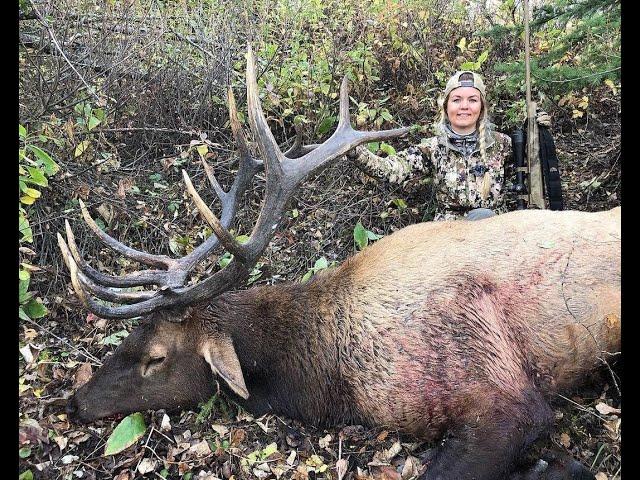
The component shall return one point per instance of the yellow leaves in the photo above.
(30, 196)
(81, 148)
(462, 44)
(202, 150)
(579, 105)
(609, 83)
(584, 103)
(316, 464)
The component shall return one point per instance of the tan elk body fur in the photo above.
(439, 319)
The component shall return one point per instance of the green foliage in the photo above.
(575, 44)
(319, 265)
(29, 307)
(26, 475)
(35, 166)
(24, 452)
(129, 431)
(259, 455)
(114, 339)
(361, 236)
(215, 404)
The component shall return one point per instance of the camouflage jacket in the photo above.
(462, 180)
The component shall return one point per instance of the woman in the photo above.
(466, 158)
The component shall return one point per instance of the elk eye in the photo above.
(152, 366)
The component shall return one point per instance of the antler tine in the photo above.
(144, 277)
(269, 150)
(142, 257)
(81, 284)
(236, 128)
(298, 149)
(343, 139)
(220, 231)
(181, 296)
(343, 117)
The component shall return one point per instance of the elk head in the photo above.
(170, 360)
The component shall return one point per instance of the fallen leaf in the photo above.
(325, 441)
(79, 437)
(601, 476)
(300, 473)
(565, 440)
(123, 475)
(316, 463)
(237, 437)
(291, 458)
(411, 468)
(82, 376)
(384, 457)
(30, 334)
(261, 473)
(106, 212)
(342, 466)
(200, 449)
(58, 372)
(124, 185)
(61, 441)
(605, 409)
(165, 425)
(129, 431)
(277, 470)
(147, 465)
(27, 354)
(31, 432)
(220, 430)
(385, 472)
(613, 426)
(67, 459)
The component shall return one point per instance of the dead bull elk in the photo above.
(459, 327)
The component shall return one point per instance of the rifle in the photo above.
(541, 169)
(535, 190)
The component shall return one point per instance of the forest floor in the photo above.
(219, 440)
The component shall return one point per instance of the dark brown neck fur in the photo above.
(285, 338)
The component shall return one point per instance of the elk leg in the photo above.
(491, 441)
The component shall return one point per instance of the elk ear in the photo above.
(223, 360)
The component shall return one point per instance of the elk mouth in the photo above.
(82, 415)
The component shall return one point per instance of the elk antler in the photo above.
(284, 173)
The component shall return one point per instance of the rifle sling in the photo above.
(549, 159)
